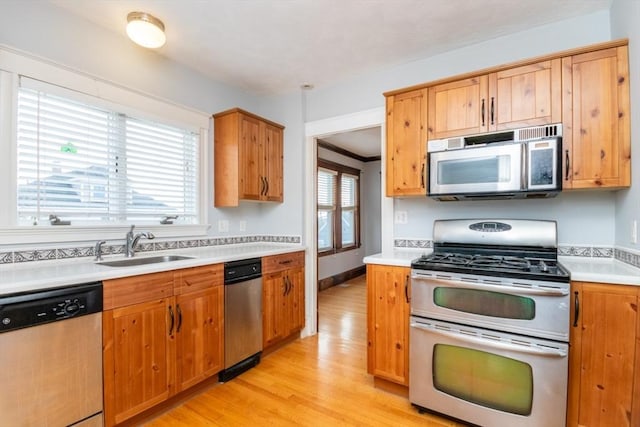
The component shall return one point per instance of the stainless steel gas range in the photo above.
(490, 324)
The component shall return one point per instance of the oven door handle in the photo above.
(502, 288)
(493, 344)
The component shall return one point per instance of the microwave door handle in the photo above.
(502, 288)
(524, 178)
(537, 351)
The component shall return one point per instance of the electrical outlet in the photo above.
(223, 225)
(400, 217)
(243, 225)
(634, 231)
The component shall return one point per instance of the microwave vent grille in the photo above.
(538, 132)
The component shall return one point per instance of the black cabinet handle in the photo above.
(266, 189)
(492, 110)
(263, 185)
(285, 286)
(173, 320)
(566, 165)
(406, 288)
(576, 309)
(482, 112)
(179, 317)
(424, 166)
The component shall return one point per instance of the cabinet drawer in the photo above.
(137, 289)
(198, 278)
(271, 264)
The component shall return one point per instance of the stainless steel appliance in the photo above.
(489, 325)
(51, 357)
(242, 316)
(520, 163)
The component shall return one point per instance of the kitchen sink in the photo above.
(130, 262)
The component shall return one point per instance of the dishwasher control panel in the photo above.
(33, 308)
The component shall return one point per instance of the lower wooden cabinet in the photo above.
(603, 356)
(137, 363)
(199, 336)
(282, 297)
(159, 347)
(388, 322)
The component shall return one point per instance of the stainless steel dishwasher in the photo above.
(242, 316)
(51, 357)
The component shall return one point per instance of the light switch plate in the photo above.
(223, 225)
(400, 217)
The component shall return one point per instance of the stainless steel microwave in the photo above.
(521, 163)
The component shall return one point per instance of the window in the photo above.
(90, 164)
(338, 207)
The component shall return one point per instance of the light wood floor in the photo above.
(315, 381)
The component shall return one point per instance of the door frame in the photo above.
(317, 129)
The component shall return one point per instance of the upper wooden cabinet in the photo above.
(527, 95)
(603, 378)
(406, 144)
(248, 158)
(596, 120)
(388, 322)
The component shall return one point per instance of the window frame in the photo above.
(16, 64)
(337, 215)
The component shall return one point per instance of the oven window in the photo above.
(483, 378)
(476, 170)
(486, 303)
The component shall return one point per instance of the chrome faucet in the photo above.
(132, 241)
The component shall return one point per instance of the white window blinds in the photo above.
(87, 163)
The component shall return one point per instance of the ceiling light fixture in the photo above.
(146, 30)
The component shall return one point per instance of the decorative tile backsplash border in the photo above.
(413, 243)
(29, 255)
(621, 255)
(627, 257)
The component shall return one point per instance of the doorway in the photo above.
(313, 132)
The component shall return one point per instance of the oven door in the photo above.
(527, 307)
(486, 169)
(485, 377)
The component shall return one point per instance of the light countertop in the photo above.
(30, 276)
(583, 269)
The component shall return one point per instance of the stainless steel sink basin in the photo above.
(130, 262)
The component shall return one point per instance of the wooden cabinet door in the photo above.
(273, 308)
(138, 356)
(603, 355)
(388, 322)
(294, 300)
(250, 160)
(458, 108)
(525, 96)
(199, 336)
(596, 120)
(406, 144)
(272, 163)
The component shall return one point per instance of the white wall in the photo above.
(625, 19)
(41, 29)
(371, 207)
(584, 218)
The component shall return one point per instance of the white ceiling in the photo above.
(273, 46)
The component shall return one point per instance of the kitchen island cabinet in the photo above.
(282, 297)
(603, 356)
(406, 160)
(162, 333)
(596, 119)
(248, 157)
(388, 322)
